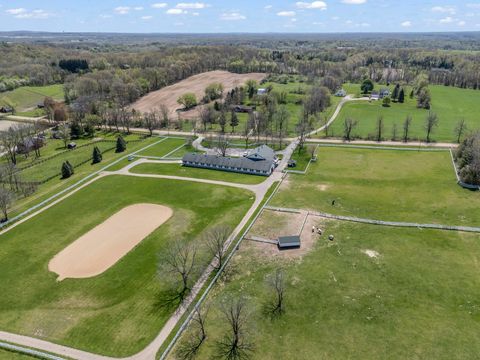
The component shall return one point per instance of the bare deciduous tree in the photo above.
(64, 132)
(276, 283)
(188, 349)
(222, 143)
(235, 345)
(180, 263)
(348, 126)
(406, 127)
(216, 242)
(431, 122)
(460, 129)
(150, 121)
(6, 199)
(281, 119)
(380, 126)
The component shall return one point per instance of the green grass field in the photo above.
(57, 184)
(27, 97)
(450, 104)
(417, 300)
(178, 170)
(120, 311)
(384, 185)
(163, 148)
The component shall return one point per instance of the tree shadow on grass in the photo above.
(167, 300)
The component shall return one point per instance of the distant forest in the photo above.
(129, 66)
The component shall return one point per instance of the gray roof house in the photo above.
(341, 93)
(289, 242)
(384, 93)
(260, 161)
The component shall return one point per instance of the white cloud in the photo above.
(16, 11)
(232, 16)
(473, 5)
(446, 20)
(147, 17)
(287, 13)
(196, 5)
(406, 23)
(444, 9)
(267, 7)
(364, 24)
(175, 12)
(335, 18)
(122, 10)
(104, 16)
(313, 5)
(159, 5)
(179, 24)
(138, 8)
(22, 13)
(354, 2)
(461, 23)
(196, 14)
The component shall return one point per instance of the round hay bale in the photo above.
(331, 237)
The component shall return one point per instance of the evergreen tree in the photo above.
(121, 145)
(234, 121)
(97, 155)
(396, 93)
(66, 170)
(401, 96)
(412, 94)
(367, 86)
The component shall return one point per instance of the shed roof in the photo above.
(289, 241)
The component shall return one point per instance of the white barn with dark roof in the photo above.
(260, 161)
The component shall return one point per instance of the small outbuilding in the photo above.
(289, 242)
(262, 91)
(341, 93)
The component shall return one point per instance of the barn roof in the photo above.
(262, 152)
(230, 162)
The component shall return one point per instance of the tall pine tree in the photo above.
(97, 155)
(121, 145)
(401, 96)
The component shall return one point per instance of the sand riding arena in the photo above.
(100, 248)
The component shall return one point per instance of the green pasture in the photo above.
(418, 299)
(392, 185)
(120, 311)
(27, 97)
(179, 170)
(450, 104)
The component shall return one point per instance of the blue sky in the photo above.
(240, 16)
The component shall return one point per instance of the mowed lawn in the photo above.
(163, 148)
(419, 299)
(120, 311)
(179, 170)
(390, 185)
(450, 104)
(27, 97)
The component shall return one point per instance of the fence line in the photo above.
(383, 147)
(71, 187)
(27, 351)
(216, 277)
(380, 222)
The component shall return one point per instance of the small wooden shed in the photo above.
(289, 242)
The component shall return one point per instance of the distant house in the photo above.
(374, 95)
(242, 108)
(6, 109)
(384, 93)
(341, 93)
(289, 242)
(261, 91)
(30, 144)
(260, 161)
